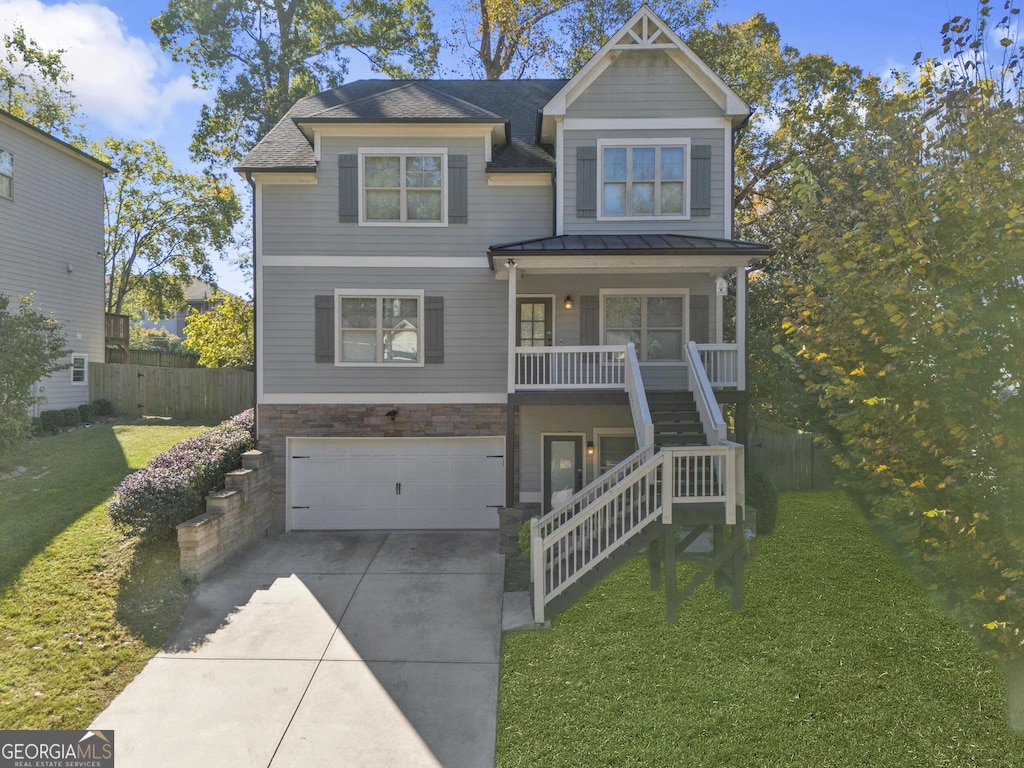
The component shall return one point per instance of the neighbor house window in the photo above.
(79, 369)
(655, 324)
(6, 174)
(379, 329)
(404, 188)
(643, 181)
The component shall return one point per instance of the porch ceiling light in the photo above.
(568, 303)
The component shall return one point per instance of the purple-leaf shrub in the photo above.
(172, 488)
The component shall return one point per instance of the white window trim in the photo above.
(365, 152)
(645, 292)
(11, 176)
(629, 143)
(340, 293)
(85, 369)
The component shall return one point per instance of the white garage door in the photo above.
(360, 483)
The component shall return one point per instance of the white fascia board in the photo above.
(493, 133)
(646, 123)
(383, 398)
(519, 179)
(619, 264)
(289, 178)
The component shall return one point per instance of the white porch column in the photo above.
(741, 328)
(512, 321)
(721, 290)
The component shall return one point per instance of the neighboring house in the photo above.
(51, 246)
(482, 294)
(198, 296)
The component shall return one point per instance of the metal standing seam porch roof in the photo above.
(628, 245)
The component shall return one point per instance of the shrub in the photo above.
(172, 489)
(69, 417)
(524, 539)
(37, 426)
(763, 496)
(103, 407)
(51, 421)
(86, 413)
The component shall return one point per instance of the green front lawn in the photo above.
(837, 659)
(81, 611)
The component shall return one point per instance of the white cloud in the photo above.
(122, 82)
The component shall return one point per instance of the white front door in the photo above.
(384, 483)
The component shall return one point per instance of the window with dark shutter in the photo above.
(323, 323)
(700, 180)
(433, 329)
(586, 182)
(348, 189)
(458, 189)
(590, 321)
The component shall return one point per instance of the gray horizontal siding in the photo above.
(702, 226)
(55, 219)
(475, 341)
(646, 83)
(303, 219)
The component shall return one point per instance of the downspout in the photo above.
(255, 319)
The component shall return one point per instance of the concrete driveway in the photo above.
(328, 649)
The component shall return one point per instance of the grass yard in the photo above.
(837, 659)
(81, 611)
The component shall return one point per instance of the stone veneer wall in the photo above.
(278, 422)
(235, 518)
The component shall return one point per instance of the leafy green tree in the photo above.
(34, 87)
(520, 37)
(162, 225)
(31, 346)
(908, 315)
(223, 336)
(261, 56)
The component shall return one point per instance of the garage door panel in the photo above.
(360, 483)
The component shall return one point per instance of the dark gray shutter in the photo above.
(590, 321)
(700, 319)
(458, 189)
(348, 189)
(700, 180)
(323, 324)
(433, 329)
(586, 182)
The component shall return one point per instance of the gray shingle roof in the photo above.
(517, 102)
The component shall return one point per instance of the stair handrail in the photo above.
(643, 424)
(596, 488)
(704, 396)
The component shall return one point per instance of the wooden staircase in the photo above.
(676, 420)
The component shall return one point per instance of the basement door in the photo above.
(393, 483)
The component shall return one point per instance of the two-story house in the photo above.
(484, 294)
(51, 247)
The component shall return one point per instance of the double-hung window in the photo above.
(6, 174)
(644, 180)
(656, 324)
(404, 188)
(379, 329)
(79, 369)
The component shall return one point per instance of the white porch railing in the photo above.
(555, 368)
(704, 396)
(567, 543)
(643, 424)
(722, 364)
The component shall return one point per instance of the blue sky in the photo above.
(129, 87)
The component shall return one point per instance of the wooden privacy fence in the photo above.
(152, 357)
(181, 393)
(791, 458)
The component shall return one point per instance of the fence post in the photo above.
(537, 570)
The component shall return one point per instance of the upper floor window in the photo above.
(404, 187)
(644, 180)
(6, 174)
(379, 329)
